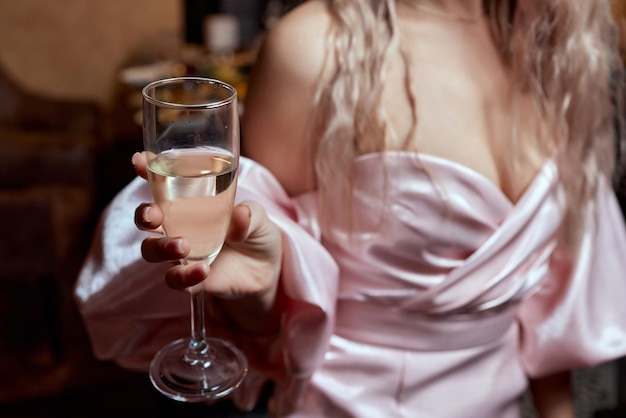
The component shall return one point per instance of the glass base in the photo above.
(217, 371)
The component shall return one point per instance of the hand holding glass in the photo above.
(191, 135)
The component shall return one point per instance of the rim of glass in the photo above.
(205, 80)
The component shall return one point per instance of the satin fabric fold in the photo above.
(436, 284)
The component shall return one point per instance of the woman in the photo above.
(428, 223)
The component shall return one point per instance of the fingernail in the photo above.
(177, 246)
(145, 214)
(202, 269)
(134, 158)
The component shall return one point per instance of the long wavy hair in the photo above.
(564, 53)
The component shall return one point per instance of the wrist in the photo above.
(257, 315)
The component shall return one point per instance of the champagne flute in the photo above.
(191, 135)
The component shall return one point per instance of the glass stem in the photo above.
(198, 347)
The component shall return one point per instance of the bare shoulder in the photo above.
(276, 124)
(298, 40)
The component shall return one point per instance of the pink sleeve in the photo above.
(309, 278)
(130, 313)
(128, 310)
(578, 317)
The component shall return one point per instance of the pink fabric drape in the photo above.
(437, 285)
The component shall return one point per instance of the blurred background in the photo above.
(71, 72)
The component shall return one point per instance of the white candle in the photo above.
(221, 32)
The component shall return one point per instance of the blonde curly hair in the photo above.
(564, 53)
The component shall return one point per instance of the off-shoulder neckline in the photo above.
(546, 170)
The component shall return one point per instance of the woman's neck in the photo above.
(462, 10)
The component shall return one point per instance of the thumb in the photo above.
(240, 223)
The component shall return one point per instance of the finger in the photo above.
(184, 276)
(249, 222)
(149, 217)
(240, 223)
(140, 163)
(155, 250)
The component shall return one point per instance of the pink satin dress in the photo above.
(437, 297)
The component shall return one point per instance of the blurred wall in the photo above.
(619, 7)
(73, 48)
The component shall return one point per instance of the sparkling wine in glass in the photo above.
(191, 135)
